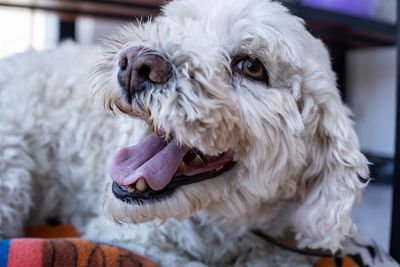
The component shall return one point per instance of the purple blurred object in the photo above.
(365, 8)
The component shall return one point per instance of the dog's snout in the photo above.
(140, 69)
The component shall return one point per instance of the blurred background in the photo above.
(360, 34)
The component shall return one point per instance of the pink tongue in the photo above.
(153, 159)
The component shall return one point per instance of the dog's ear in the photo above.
(336, 171)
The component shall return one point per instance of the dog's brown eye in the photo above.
(253, 68)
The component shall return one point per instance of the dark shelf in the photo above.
(110, 9)
(333, 28)
(345, 30)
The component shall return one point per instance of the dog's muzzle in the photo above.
(139, 69)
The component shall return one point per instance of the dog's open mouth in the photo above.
(152, 169)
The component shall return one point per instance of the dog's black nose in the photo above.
(140, 69)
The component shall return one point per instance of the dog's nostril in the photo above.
(144, 71)
(123, 62)
(153, 68)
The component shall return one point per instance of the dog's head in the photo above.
(246, 120)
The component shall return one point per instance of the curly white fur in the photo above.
(298, 158)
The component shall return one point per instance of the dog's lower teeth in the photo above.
(181, 166)
(131, 189)
(197, 161)
(211, 157)
(141, 185)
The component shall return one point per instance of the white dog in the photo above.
(242, 128)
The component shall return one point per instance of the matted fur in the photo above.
(298, 158)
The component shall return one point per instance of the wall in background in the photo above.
(23, 29)
(372, 97)
(91, 31)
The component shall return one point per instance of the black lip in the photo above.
(151, 196)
